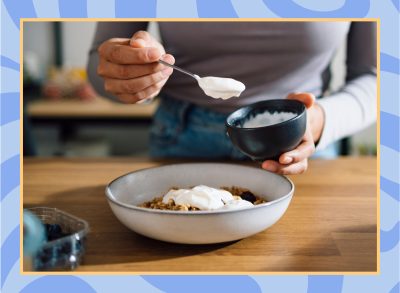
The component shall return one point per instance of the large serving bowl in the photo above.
(267, 142)
(198, 227)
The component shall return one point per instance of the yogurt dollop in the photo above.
(237, 204)
(206, 198)
(267, 119)
(220, 87)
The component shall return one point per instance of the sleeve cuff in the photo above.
(330, 110)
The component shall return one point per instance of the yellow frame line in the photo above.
(377, 20)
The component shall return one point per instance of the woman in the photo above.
(271, 58)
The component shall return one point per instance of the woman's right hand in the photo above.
(130, 67)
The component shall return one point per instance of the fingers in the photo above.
(304, 150)
(118, 41)
(294, 161)
(307, 99)
(292, 169)
(130, 68)
(122, 54)
(141, 39)
(149, 92)
(118, 71)
(168, 58)
(131, 86)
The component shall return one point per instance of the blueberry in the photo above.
(53, 232)
(247, 195)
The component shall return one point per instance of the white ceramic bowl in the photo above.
(199, 227)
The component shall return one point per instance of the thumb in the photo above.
(141, 39)
(307, 99)
(137, 43)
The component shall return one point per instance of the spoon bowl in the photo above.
(215, 87)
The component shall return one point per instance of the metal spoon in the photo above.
(195, 76)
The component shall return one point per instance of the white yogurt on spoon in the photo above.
(220, 87)
(215, 87)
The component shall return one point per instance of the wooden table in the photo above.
(330, 226)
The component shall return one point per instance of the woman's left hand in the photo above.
(296, 161)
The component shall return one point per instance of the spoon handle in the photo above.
(179, 69)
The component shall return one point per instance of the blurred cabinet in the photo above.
(96, 128)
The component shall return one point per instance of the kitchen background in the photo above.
(63, 117)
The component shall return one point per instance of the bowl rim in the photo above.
(298, 116)
(186, 213)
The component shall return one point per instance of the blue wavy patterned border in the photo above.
(12, 11)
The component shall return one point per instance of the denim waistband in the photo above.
(182, 110)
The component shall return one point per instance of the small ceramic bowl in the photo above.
(125, 193)
(267, 142)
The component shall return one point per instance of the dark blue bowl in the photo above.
(267, 142)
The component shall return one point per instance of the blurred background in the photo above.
(63, 116)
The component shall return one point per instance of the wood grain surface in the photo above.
(330, 226)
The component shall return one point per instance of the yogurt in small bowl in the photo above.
(266, 129)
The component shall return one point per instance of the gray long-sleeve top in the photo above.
(272, 59)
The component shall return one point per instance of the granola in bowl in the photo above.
(126, 193)
(203, 197)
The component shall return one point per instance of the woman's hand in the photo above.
(296, 161)
(130, 68)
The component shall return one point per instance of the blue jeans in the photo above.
(184, 130)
